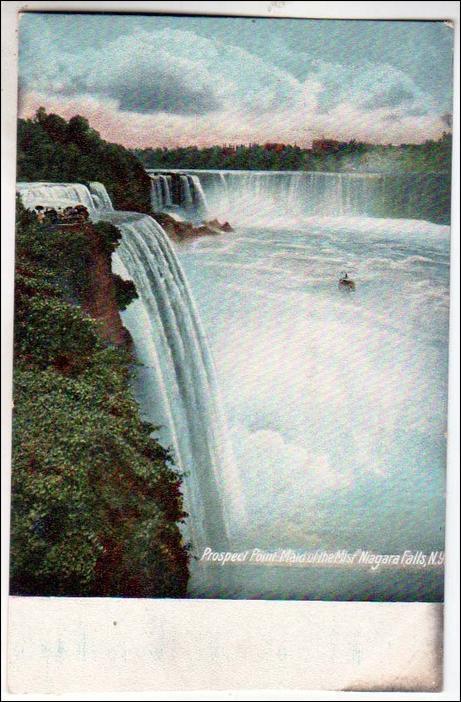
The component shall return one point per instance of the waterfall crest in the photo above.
(178, 380)
(274, 197)
(177, 387)
(95, 198)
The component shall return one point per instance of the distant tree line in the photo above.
(50, 148)
(325, 155)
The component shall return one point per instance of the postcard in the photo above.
(231, 329)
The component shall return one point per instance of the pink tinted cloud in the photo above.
(161, 129)
(103, 116)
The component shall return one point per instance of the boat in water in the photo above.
(346, 283)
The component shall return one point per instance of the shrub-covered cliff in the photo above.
(96, 500)
(50, 148)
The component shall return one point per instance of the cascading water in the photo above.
(176, 383)
(166, 190)
(100, 196)
(199, 198)
(177, 386)
(278, 197)
(178, 190)
(161, 195)
(187, 199)
(95, 198)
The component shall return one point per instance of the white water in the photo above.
(56, 195)
(283, 198)
(188, 194)
(176, 387)
(251, 198)
(176, 384)
(336, 401)
(100, 196)
(200, 200)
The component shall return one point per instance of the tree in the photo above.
(96, 500)
(49, 148)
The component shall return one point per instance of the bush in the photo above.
(125, 292)
(49, 148)
(96, 500)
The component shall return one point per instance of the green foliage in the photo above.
(430, 162)
(109, 235)
(51, 332)
(96, 501)
(95, 504)
(430, 157)
(125, 292)
(49, 148)
(64, 254)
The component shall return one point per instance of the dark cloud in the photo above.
(159, 95)
(392, 96)
(417, 111)
(392, 117)
(447, 119)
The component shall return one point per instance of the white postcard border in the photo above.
(259, 645)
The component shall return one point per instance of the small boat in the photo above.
(346, 283)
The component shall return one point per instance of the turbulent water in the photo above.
(252, 197)
(95, 197)
(176, 384)
(335, 400)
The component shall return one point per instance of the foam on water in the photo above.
(337, 401)
(48, 194)
(284, 198)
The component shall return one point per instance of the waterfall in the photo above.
(95, 198)
(177, 387)
(166, 189)
(178, 190)
(199, 199)
(272, 197)
(100, 196)
(277, 197)
(156, 194)
(187, 199)
(161, 195)
(177, 384)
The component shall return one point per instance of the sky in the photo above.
(174, 81)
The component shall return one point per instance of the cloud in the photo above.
(392, 96)
(370, 87)
(138, 72)
(169, 91)
(169, 71)
(171, 87)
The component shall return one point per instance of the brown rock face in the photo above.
(100, 301)
(226, 227)
(216, 225)
(179, 231)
